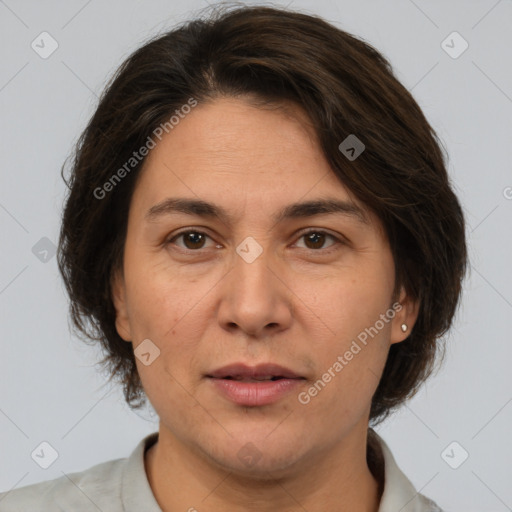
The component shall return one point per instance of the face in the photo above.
(298, 290)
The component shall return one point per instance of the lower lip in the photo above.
(255, 393)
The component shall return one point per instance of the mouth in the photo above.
(254, 386)
(243, 378)
(258, 373)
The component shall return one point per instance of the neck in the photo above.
(341, 480)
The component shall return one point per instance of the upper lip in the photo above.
(259, 371)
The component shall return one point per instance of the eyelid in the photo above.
(184, 231)
(339, 239)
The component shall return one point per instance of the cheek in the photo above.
(357, 340)
(349, 306)
(348, 373)
(160, 300)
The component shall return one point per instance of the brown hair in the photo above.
(346, 87)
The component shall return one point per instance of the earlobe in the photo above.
(405, 317)
(118, 289)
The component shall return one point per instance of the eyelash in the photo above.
(337, 240)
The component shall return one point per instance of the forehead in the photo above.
(232, 153)
(234, 136)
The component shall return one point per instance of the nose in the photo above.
(255, 298)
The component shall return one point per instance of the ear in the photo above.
(406, 313)
(119, 299)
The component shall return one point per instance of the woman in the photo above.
(261, 232)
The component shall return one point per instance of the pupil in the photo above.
(194, 238)
(314, 237)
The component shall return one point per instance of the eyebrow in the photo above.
(300, 210)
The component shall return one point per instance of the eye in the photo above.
(192, 239)
(315, 239)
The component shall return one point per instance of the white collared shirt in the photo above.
(121, 485)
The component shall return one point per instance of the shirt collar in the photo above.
(399, 493)
(136, 493)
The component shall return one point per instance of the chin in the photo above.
(257, 455)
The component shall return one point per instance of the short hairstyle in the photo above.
(346, 87)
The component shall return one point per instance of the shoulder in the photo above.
(98, 487)
(427, 505)
(397, 491)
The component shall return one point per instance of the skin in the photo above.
(299, 304)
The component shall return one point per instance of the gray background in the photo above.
(50, 389)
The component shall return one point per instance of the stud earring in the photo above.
(403, 327)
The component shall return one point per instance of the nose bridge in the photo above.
(253, 297)
(251, 274)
